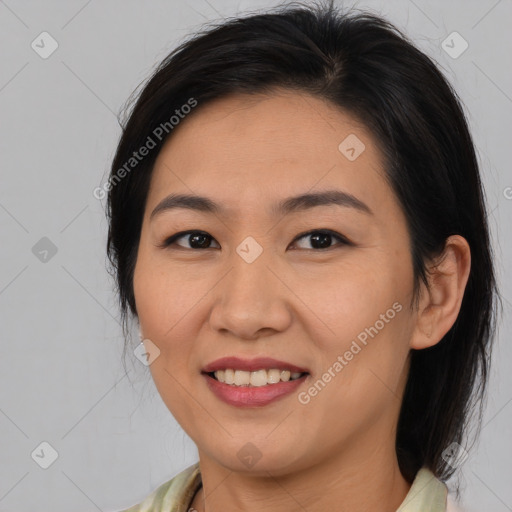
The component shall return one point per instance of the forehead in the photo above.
(245, 148)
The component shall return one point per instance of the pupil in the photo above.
(203, 240)
(323, 238)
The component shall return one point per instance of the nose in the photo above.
(251, 301)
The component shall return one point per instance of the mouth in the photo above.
(261, 371)
(258, 378)
(252, 383)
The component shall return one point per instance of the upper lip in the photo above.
(251, 365)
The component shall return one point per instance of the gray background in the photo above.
(61, 376)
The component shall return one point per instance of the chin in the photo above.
(260, 459)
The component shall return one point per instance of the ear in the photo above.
(439, 305)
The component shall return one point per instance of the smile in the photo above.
(256, 378)
(249, 395)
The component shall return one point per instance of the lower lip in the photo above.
(252, 396)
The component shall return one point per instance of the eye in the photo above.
(321, 239)
(195, 239)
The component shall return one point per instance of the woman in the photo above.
(297, 223)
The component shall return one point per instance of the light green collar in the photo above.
(427, 494)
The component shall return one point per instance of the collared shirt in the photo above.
(427, 494)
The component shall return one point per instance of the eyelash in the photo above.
(168, 242)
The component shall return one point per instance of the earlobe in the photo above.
(440, 304)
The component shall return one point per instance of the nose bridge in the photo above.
(248, 287)
(249, 275)
(249, 298)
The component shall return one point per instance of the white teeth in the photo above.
(273, 376)
(229, 376)
(242, 378)
(257, 378)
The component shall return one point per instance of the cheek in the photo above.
(170, 303)
(361, 314)
(164, 305)
(350, 296)
(163, 295)
(360, 373)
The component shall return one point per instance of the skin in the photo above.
(295, 303)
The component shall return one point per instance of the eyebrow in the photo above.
(292, 204)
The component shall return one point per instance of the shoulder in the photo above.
(173, 495)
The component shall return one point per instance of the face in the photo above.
(322, 284)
